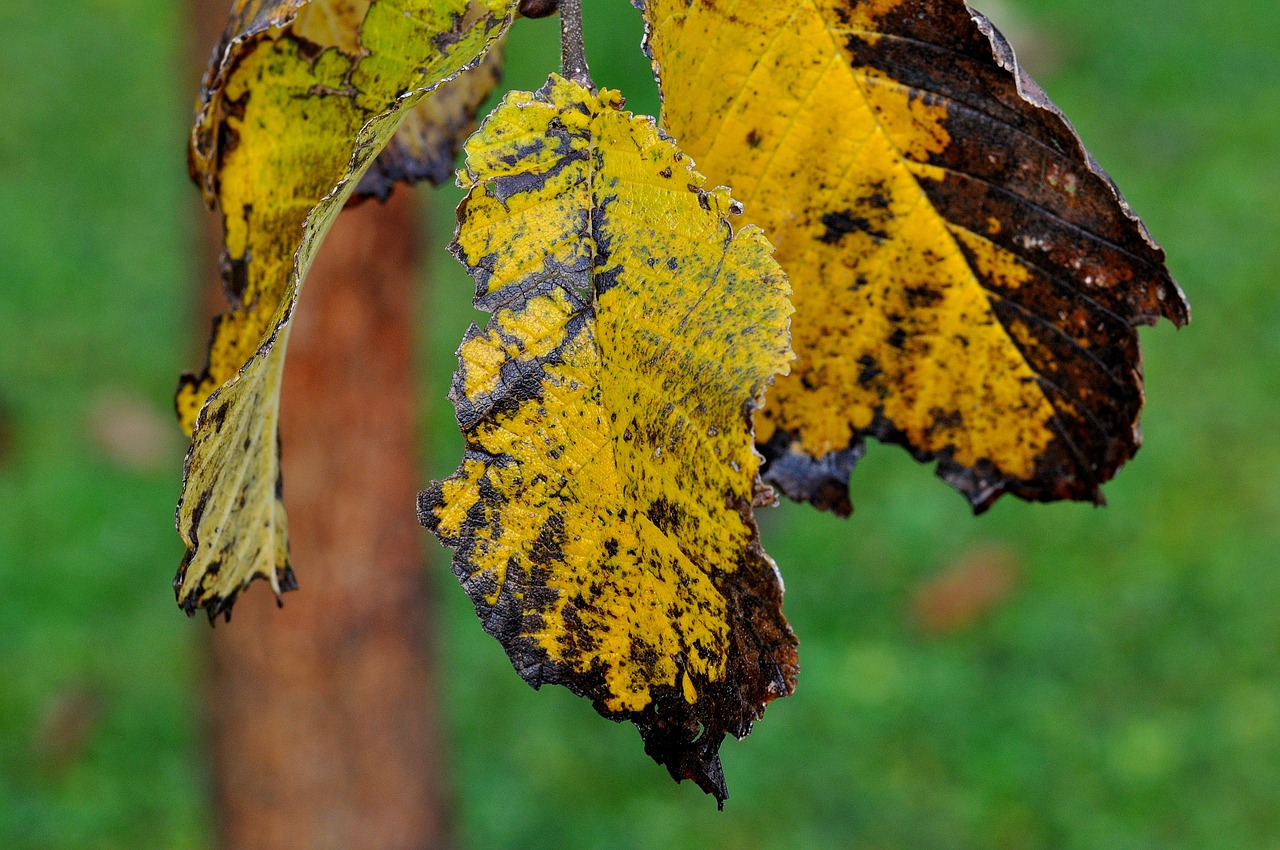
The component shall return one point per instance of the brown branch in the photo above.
(573, 52)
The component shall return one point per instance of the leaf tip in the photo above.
(218, 605)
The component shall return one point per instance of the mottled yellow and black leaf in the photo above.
(967, 279)
(427, 142)
(602, 514)
(298, 100)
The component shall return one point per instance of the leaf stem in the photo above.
(573, 53)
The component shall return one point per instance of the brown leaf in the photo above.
(966, 591)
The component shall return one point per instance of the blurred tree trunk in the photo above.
(323, 727)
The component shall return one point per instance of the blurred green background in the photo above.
(1042, 677)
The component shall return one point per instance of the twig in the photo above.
(573, 53)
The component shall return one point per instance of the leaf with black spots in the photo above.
(602, 514)
(298, 100)
(968, 281)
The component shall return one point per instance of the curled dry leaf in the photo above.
(430, 136)
(602, 515)
(967, 278)
(299, 98)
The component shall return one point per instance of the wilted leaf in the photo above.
(967, 279)
(427, 142)
(602, 514)
(298, 100)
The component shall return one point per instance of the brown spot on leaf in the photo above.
(841, 224)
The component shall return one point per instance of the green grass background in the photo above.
(1125, 695)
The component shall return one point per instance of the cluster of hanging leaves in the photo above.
(966, 283)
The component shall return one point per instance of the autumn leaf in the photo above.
(298, 99)
(602, 513)
(967, 279)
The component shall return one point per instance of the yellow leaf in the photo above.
(298, 100)
(602, 514)
(967, 279)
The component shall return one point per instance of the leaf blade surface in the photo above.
(967, 279)
(601, 516)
